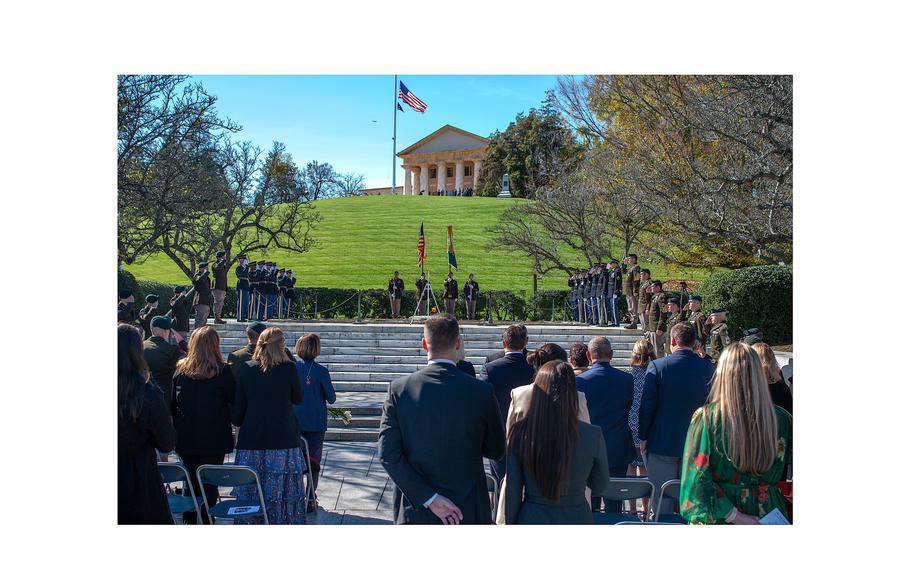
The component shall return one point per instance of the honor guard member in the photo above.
(696, 318)
(573, 297)
(657, 317)
(281, 283)
(586, 297)
(752, 336)
(396, 291)
(580, 284)
(614, 289)
(219, 287)
(255, 289)
(674, 316)
(630, 287)
(451, 293)
(242, 272)
(146, 314)
(203, 298)
(471, 291)
(126, 312)
(719, 336)
(422, 299)
(644, 297)
(264, 287)
(289, 293)
(598, 291)
(272, 290)
(180, 309)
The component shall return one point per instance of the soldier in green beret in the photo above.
(752, 336)
(719, 337)
(146, 314)
(656, 316)
(674, 316)
(126, 313)
(219, 284)
(160, 355)
(696, 318)
(203, 298)
(180, 309)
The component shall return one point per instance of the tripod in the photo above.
(428, 294)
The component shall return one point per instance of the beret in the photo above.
(646, 270)
(696, 298)
(718, 310)
(124, 294)
(257, 327)
(241, 256)
(614, 261)
(673, 300)
(151, 298)
(657, 283)
(203, 264)
(178, 289)
(219, 254)
(162, 322)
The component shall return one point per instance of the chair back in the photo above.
(493, 488)
(669, 490)
(310, 491)
(627, 488)
(229, 476)
(176, 473)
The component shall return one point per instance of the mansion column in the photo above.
(459, 176)
(476, 172)
(441, 178)
(407, 181)
(425, 180)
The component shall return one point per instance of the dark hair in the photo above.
(645, 270)
(546, 353)
(515, 336)
(132, 373)
(683, 334)
(441, 332)
(544, 440)
(578, 355)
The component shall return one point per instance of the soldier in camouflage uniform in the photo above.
(146, 314)
(674, 316)
(126, 310)
(719, 336)
(696, 318)
(644, 298)
(586, 285)
(630, 287)
(657, 317)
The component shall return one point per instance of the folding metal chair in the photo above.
(671, 490)
(493, 488)
(623, 489)
(231, 476)
(310, 490)
(179, 504)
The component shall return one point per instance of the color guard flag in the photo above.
(451, 249)
(421, 247)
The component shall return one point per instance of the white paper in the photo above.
(242, 510)
(775, 517)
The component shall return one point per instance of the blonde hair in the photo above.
(203, 359)
(748, 423)
(642, 354)
(308, 346)
(768, 362)
(271, 350)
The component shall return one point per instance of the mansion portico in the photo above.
(447, 162)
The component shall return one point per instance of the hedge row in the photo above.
(757, 296)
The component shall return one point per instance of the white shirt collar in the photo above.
(441, 361)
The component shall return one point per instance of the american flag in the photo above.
(410, 99)
(421, 248)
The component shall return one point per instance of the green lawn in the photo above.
(361, 241)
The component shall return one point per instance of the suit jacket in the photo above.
(588, 468)
(675, 386)
(504, 374)
(610, 393)
(467, 367)
(437, 426)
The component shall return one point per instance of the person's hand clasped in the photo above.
(447, 511)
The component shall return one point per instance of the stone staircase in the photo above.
(364, 358)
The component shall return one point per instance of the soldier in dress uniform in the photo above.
(597, 292)
(146, 314)
(696, 318)
(255, 290)
(242, 272)
(674, 316)
(613, 290)
(289, 293)
(644, 297)
(630, 287)
(471, 291)
(451, 293)
(719, 336)
(271, 290)
(586, 296)
(126, 312)
(281, 284)
(573, 296)
(219, 286)
(180, 309)
(657, 317)
(396, 291)
(422, 299)
(203, 298)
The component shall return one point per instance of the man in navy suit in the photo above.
(675, 386)
(609, 392)
(506, 373)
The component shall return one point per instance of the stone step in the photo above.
(360, 402)
(466, 328)
(342, 358)
(352, 435)
(361, 386)
(356, 422)
(332, 337)
(341, 346)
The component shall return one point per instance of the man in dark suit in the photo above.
(437, 426)
(609, 392)
(506, 373)
(675, 386)
(501, 353)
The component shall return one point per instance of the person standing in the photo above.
(437, 426)
(614, 289)
(422, 297)
(219, 289)
(780, 393)
(396, 291)
(471, 291)
(242, 272)
(586, 297)
(553, 456)
(126, 311)
(642, 355)
(318, 391)
(644, 298)
(737, 447)
(245, 353)
(269, 437)
(674, 387)
(696, 318)
(719, 337)
(506, 373)
(609, 393)
(573, 296)
(271, 290)
(673, 316)
(200, 403)
(451, 293)
(203, 287)
(180, 310)
(255, 274)
(160, 355)
(289, 294)
(630, 287)
(657, 317)
(146, 314)
(143, 427)
(282, 285)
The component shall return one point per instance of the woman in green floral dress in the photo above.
(738, 446)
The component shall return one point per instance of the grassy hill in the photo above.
(361, 241)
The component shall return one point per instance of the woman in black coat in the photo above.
(201, 404)
(143, 426)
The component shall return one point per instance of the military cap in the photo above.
(257, 327)
(718, 310)
(645, 270)
(614, 261)
(178, 289)
(151, 298)
(657, 283)
(241, 256)
(695, 298)
(124, 294)
(280, 270)
(219, 254)
(753, 336)
(203, 264)
(162, 322)
(673, 300)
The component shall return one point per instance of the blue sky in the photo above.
(330, 117)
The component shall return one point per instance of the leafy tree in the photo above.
(280, 178)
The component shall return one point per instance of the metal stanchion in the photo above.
(358, 320)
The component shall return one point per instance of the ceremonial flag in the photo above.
(421, 247)
(399, 107)
(451, 249)
(410, 99)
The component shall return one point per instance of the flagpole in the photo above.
(394, 127)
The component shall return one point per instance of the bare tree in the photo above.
(349, 185)
(319, 179)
